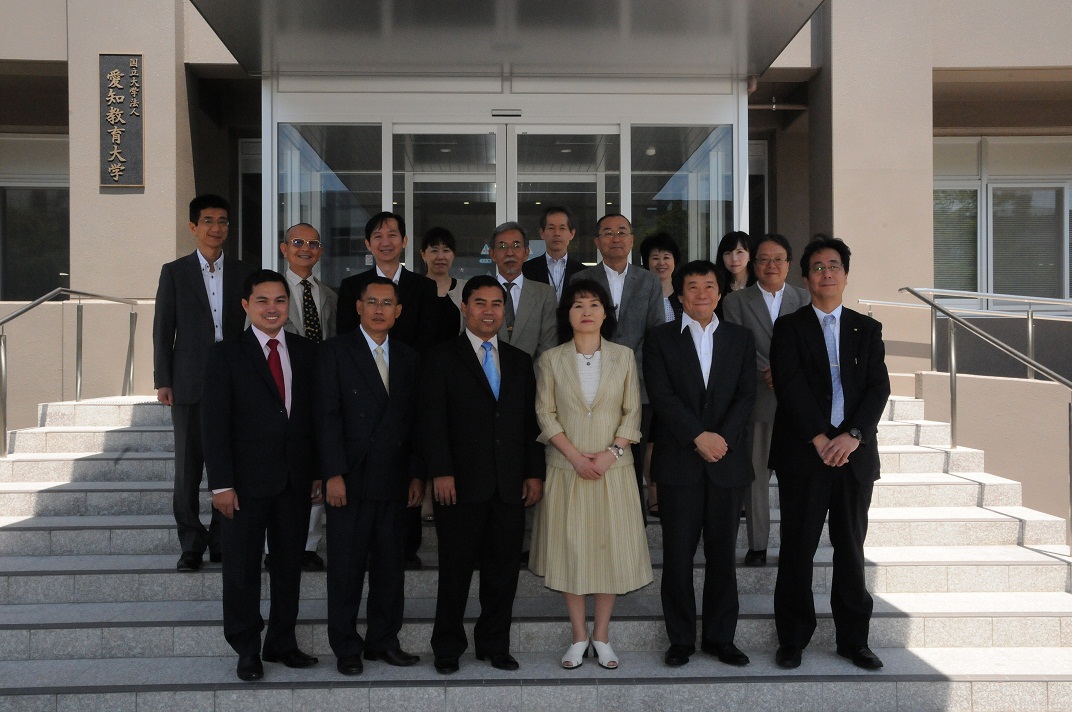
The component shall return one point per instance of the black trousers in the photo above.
(365, 534)
(489, 533)
(640, 452)
(189, 471)
(285, 519)
(687, 512)
(806, 497)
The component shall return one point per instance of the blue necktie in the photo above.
(837, 405)
(489, 369)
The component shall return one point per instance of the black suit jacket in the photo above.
(489, 446)
(801, 371)
(684, 408)
(182, 323)
(362, 433)
(536, 269)
(251, 443)
(416, 326)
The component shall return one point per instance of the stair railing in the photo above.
(128, 369)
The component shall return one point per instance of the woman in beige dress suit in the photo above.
(588, 537)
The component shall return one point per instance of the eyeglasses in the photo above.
(615, 233)
(776, 261)
(300, 243)
(209, 222)
(515, 245)
(376, 303)
(833, 267)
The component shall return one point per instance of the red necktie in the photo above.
(275, 365)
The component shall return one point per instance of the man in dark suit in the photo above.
(368, 389)
(478, 435)
(829, 370)
(555, 267)
(260, 452)
(701, 377)
(638, 303)
(385, 238)
(198, 302)
(757, 308)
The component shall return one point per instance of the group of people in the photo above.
(534, 390)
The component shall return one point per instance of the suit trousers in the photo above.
(283, 518)
(365, 533)
(687, 511)
(757, 498)
(488, 533)
(189, 471)
(806, 496)
(640, 451)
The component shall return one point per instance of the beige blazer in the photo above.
(560, 405)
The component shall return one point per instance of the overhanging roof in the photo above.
(535, 38)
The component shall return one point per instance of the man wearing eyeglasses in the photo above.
(757, 308)
(638, 302)
(529, 322)
(312, 315)
(198, 302)
(829, 370)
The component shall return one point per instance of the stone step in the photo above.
(132, 578)
(889, 526)
(965, 620)
(118, 410)
(88, 467)
(50, 498)
(920, 458)
(903, 408)
(914, 432)
(994, 679)
(92, 438)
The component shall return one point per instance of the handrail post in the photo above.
(78, 352)
(3, 391)
(934, 339)
(1069, 461)
(1030, 339)
(128, 373)
(952, 384)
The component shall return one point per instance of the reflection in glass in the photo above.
(1028, 241)
(35, 241)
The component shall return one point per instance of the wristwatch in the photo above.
(618, 451)
(855, 432)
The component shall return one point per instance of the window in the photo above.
(956, 239)
(35, 236)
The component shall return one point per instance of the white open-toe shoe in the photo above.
(575, 655)
(605, 654)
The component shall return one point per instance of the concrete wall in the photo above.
(41, 354)
(998, 33)
(1022, 425)
(33, 31)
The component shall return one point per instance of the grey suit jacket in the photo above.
(747, 308)
(640, 310)
(535, 328)
(327, 307)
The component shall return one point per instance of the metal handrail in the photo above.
(128, 371)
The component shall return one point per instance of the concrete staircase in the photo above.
(973, 610)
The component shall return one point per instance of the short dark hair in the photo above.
(700, 268)
(551, 210)
(599, 223)
(208, 200)
(380, 280)
(659, 241)
(263, 276)
(777, 239)
(822, 241)
(569, 295)
(479, 282)
(286, 233)
(507, 227)
(439, 236)
(380, 218)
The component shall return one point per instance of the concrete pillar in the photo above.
(120, 236)
(871, 158)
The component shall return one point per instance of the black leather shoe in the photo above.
(215, 557)
(250, 668)
(189, 561)
(397, 657)
(678, 655)
(446, 666)
(500, 661)
(787, 657)
(413, 563)
(291, 658)
(860, 657)
(311, 561)
(726, 652)
(350, 665)
(524, 560)
(755, 558)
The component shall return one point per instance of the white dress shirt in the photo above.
(297, 292)
(617, 286)
(214, 288)
(820, 315)
(556, 272)
(773, 300)
(394, 279)
(703, 340)
(515, 292)
(386, 346)
(478, 349)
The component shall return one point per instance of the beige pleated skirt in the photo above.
(588, 535)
